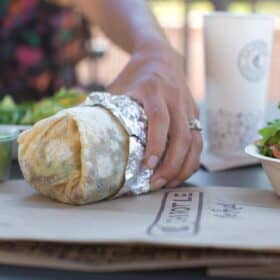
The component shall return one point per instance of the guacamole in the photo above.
(5, 155)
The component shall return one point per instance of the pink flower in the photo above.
(28, 56)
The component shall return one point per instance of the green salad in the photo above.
(28, 113)
(269, 145)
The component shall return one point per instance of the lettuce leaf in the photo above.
(270, 136)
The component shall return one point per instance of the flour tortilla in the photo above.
(77, 156)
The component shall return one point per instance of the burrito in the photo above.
(77, 156)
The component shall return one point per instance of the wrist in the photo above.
(162, 53)
(156, 50)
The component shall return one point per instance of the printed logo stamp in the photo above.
(179, 215)
(253, 61)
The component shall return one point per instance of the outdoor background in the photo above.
(182, 22)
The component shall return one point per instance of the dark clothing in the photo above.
(40, 44)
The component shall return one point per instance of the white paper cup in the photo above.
(237, 57)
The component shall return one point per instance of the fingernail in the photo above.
(159, 183)
(152, 162)
(174, 184)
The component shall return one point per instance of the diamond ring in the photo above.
(194, 124)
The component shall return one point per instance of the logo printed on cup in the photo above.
(253, 60)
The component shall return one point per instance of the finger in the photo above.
(192, 161)
(180, 139)
(158, 126)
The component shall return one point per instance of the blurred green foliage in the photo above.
(28, 113)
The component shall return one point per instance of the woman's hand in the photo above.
(154, 76)
(156, 79)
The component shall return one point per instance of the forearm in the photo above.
(128, 23)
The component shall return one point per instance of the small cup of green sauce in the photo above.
(7, 137)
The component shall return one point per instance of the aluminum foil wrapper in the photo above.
(132, 116)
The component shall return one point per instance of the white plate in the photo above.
(253, 151)
(271, 166)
